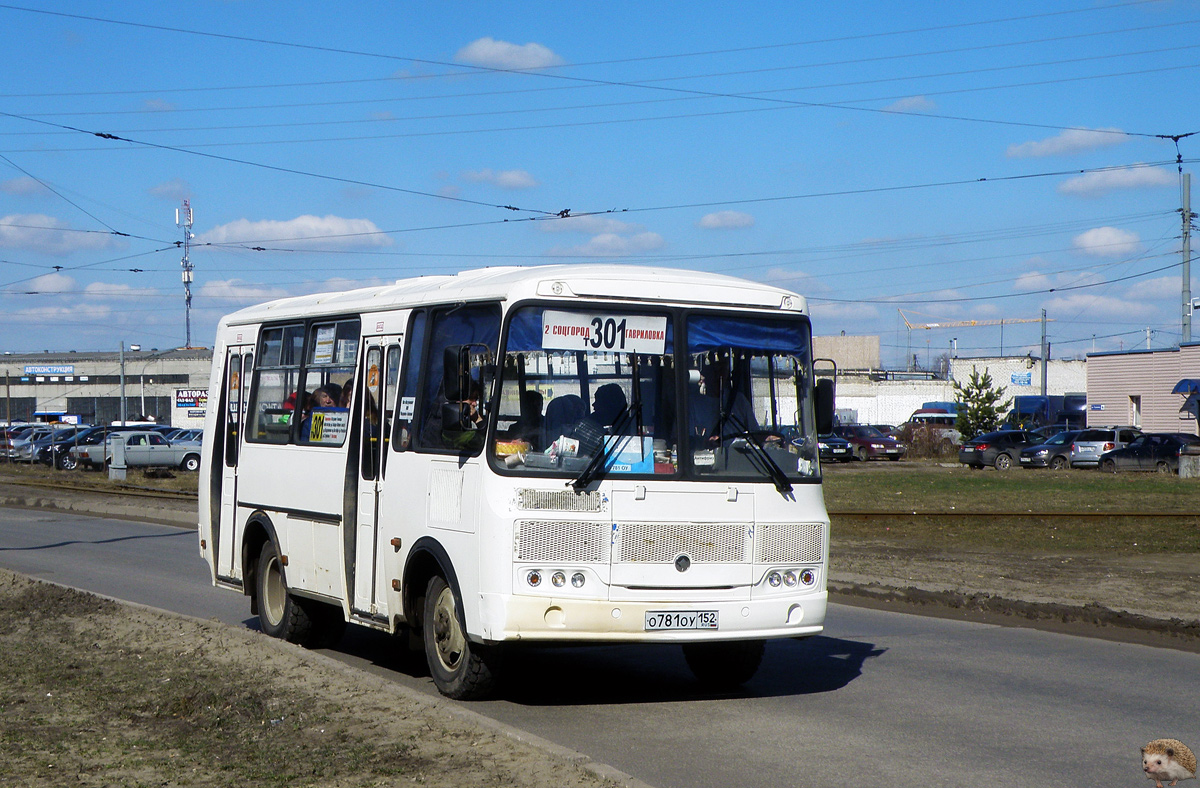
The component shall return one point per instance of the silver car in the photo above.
(1092, 442)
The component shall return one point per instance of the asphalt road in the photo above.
(881, 699)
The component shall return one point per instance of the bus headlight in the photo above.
(790, 579)
(578, 579)
(808, 577)
(774, 579)
(534, 578)
(558, 579)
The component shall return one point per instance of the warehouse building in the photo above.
(163, 386)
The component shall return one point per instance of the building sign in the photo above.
(194, 401)
(49, 369)
(1097, 406)
(1022, 378)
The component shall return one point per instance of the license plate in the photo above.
(692, 619)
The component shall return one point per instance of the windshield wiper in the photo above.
(603, 453)
(765, 465)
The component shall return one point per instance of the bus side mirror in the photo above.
(824, 405)
(456, 371)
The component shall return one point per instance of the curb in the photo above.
(989, 608)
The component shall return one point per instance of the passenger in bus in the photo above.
(562, 414)
(718, 409)
(320, 398)
(609, 405)
(528, 426)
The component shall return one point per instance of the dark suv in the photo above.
(1000, 449)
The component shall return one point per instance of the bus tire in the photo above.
(279, 613)
(724, 665)
(461, 670)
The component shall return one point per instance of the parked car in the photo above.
(869, 443)
(1150, 451)
(1091, 443)
(1053, 453)
(936, 429)
(833, 448)
(62, 455)
(1000, 449)
(143, 449)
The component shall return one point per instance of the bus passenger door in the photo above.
(379, 374)
(238, 363)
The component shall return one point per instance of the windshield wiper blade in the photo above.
(766, 465)
(603, 453)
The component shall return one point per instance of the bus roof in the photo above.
(592, 281)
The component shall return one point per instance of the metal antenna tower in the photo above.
(183, 218)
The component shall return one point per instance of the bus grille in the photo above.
(561, 540)
(560, 501)
(789, 543)
(661, 543)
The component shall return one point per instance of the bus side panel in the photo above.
(302, 487)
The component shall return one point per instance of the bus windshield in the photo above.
(589, 393)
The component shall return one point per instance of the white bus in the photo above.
(582, 453)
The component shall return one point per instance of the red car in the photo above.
(869, 443)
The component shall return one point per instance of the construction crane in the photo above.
(963, 324)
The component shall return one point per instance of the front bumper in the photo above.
(543, 618)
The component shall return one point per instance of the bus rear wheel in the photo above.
(460, 669)
(279, 613)
(724, 665)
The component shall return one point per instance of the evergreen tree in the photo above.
(979, 405)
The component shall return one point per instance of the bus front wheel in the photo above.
(461, 669)
(724, 665)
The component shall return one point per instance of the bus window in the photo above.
(409, 385)
(457, 423)
(577, 385)
(329, 369)
(276, 393)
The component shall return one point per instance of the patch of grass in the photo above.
(167, 480)
(925, 487)
(1010, 503)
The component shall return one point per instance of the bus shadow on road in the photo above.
(536, 675)
(584, 675)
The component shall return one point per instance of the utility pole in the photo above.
(123, 414)
(1187, 256)
(183, 218)
(1045, 352)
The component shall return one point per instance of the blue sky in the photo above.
(954, 160)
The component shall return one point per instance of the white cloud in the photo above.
(174, 190)
(50, 283)
(1068, 142)
(1163, 287)
(236, 290)
(100, 290)
(1094, 184)
(592, 225)
(612, 245)
(1106, 242)
(23, 186)
(1094, 305)
(310, 232)
(491, 53)
(1032, 281)
(725, 220)
(911, 104)
(36, 232)
(158, 105)
(504, 179)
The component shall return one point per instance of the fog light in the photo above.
(578, 579)
(790, 579)
(534, 578)
(558, 579)
(808, 577)
(774, 579)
